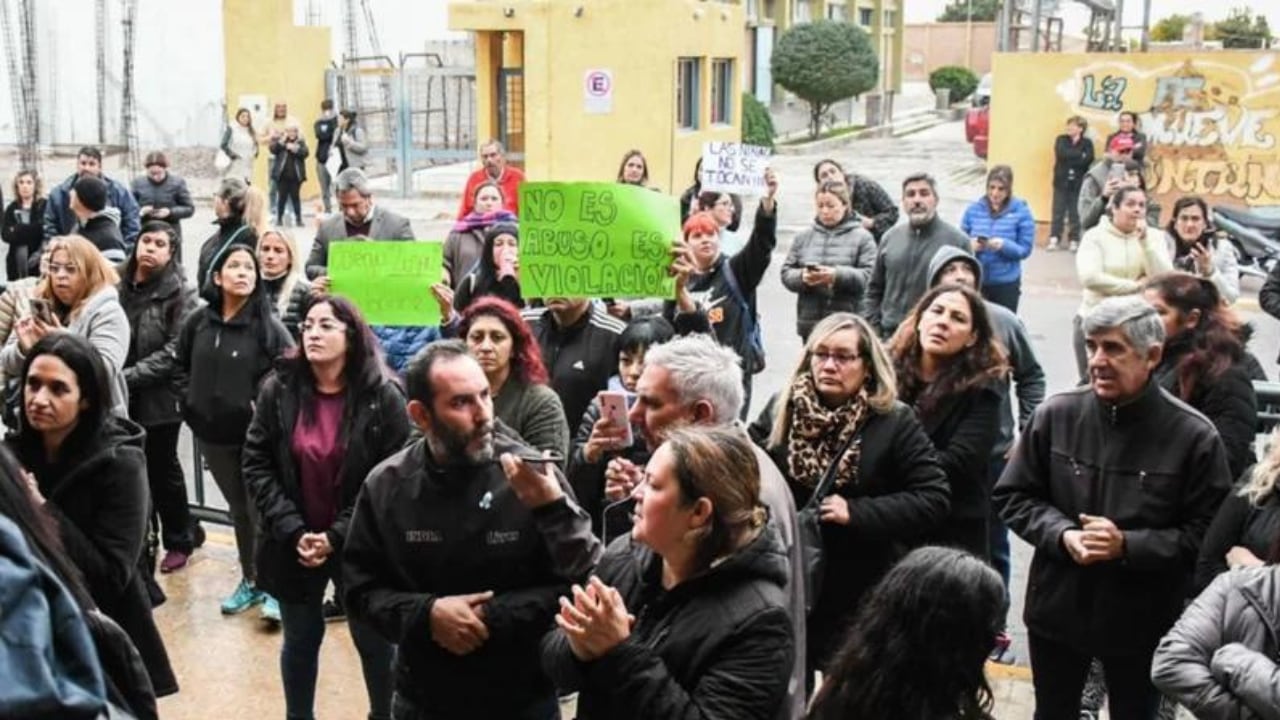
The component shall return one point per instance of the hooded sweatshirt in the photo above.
(1012, 334)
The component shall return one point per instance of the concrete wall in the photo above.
(1211, 119)
(640, 43)
(929, 46)
(267, 56)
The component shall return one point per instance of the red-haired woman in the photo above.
(950, 368)
(503, 344)
(1205, 363)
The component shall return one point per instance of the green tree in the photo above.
(824, 62)
(1170, 29)
(966, 10)
(1241, 29)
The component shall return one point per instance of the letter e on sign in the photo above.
(597, 92)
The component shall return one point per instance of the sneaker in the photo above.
(1053, 244)
(1003, 653)
(1074, 245)
(333, 611)
(245, 597)
(270, 609)
(174, 560)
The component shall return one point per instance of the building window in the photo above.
(801, 12)
(889, 18)
(753, 10)
(688, 79)
(865, 16)
(837, 12)
(721, 91)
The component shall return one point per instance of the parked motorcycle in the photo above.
(1255, 233)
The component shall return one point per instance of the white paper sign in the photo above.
(597, 91)
(734, 167)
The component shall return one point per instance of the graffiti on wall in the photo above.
(1211, 122)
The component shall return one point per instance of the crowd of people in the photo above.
(567, 496)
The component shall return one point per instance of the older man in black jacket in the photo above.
(1114, 484)
(459, 561)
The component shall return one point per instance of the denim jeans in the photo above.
(304, 627)
(1004, 294)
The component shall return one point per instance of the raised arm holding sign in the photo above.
(734, 168)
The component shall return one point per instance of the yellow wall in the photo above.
(266, 54)
(1212, 119)
(640, 42)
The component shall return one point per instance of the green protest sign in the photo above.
(596, 240)
(389, 280)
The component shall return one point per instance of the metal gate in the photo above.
(417, 113)
(511, 111)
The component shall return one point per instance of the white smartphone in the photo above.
(613, 405)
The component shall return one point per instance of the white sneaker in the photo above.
(1053, 244)
(1073, 246)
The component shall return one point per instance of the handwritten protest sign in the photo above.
(596, 240)
(734, 167)
(390, 281)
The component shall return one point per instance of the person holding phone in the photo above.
(1193, 244)
(829, 264)
(1002, 234)
(1103, 180)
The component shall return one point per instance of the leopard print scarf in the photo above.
(817, 433)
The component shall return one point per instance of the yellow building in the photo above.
(271, 60)
(766, 19)
(572, 85)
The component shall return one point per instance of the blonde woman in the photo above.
(78, 295)
(841, 410)
(285, 286)
(1246, 530)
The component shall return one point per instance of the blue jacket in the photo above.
(59, 220)
(400, 344)
(1014, 225)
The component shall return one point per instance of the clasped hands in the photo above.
(595, 621)
(1097, 540)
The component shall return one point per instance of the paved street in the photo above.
(1050, 297)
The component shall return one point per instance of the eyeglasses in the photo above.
(839, 358)
(324, 326)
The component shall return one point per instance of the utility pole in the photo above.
(1006, 19)
(1146, 25)
(1119, 26)
(1035, 26)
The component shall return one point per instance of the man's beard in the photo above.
(450, 446)
(921, 217)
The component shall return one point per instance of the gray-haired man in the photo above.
(1114, 484)
(694, 380)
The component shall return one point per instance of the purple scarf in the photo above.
(478, 221)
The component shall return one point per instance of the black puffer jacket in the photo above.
(1239, 522)
(1220, 659)
(171, 194)
(97, 492)
(231, 231)
(1156, 468)
(901, 495)
(846, 247)
(156, 309)
(221, 364)
(379, 428)
(1227, 400)
(715, 646)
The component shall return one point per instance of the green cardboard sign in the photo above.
(389, 280)
(596, 240)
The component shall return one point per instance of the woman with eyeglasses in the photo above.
(321, 423)
(1194, 247)
(840, 414)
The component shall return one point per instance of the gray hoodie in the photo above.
(1027, 373)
